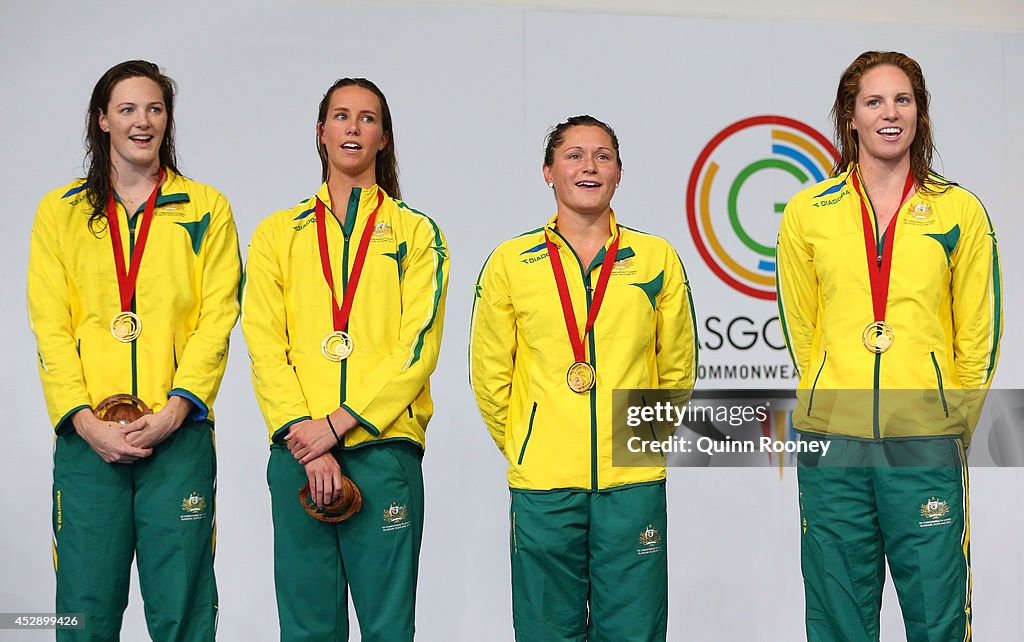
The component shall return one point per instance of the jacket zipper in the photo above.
(354, 196)
(593, 363)
(875, 430)
(880, 246)
(342, 392)
(135, 344)
(593, 392)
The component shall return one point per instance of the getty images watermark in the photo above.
(751, 428)
(697, 413)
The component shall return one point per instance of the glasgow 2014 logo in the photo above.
(734, 222)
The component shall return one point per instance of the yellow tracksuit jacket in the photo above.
(186, 296)
(395, 323)
(644, 337)
(943, 305)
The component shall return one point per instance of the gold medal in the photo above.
(126, 327)
(878, 337)
(337, 346)
(580, 377)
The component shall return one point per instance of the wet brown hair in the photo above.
(923, 146)
(99, 170)
(386, 170)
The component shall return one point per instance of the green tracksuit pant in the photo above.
(159, 509)
(902, 502)
(589, 566)
(374, 553)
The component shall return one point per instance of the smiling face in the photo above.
(352, 133)
(136, 119)
(884, 115)
(584, 171)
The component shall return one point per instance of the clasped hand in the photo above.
(311, 438)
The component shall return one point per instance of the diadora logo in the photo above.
(733, 205)
(302, 225)
(534, 254)
(305, 218)
(832, 195)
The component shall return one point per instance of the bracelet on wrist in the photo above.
(331, 426)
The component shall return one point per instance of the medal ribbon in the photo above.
(563, 294)
(126, 279)
(340, 314)
(880, 265)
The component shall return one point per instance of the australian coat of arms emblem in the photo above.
(934, 508)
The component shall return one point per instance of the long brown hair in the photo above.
(99, 170)
(923, 146)
(386, 173)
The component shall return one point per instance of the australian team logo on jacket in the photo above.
(382, 232)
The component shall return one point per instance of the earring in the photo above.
(551, 185)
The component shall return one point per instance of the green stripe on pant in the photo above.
(160, 509)
(374, 553)
(590, 565)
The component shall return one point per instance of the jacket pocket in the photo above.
(529, 431)
(814, 386)
(938, 380)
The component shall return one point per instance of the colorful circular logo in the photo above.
(732, 202)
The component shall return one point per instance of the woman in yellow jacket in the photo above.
(889, 291)
(119, 337)
(563, 315)
(342, 313)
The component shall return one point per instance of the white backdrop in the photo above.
(472, 94)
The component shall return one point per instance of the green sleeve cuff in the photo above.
(64, 426)
(282, 432)
(370, 428)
